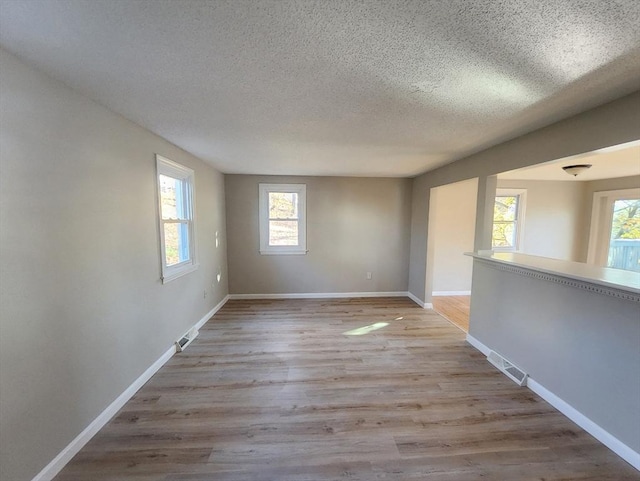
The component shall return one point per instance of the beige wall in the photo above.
(354, 226)
(614, 123)
(632, 182)
(554, 218)
(82, 310)
(452, 227)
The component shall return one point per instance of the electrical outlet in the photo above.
(369, 276)
(204, 294)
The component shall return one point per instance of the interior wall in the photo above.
(82, 310)
(631, 182)
(611, 124)
(554, 218)
(452, 228)
(579, 344)
(354, 226)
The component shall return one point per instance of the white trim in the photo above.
(450, 293)
(283, 252)
(211, 313)
(186, 175)
(415, 299)
(601, 219)
(263, 213)
(61, 460)
(521, 194)
(478, 345)
(319, 295)
(606, 438)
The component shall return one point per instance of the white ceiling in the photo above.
(620, 161)
(333, 87)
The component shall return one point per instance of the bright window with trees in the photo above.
(176, 219)
(614, 240)
(508, 219)
(283, 218)
(624, 244)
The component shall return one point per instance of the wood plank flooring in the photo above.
(454, 308)
(297, 390)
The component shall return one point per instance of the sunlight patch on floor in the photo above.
(366, 329)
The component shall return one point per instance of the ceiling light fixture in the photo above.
(576, 169)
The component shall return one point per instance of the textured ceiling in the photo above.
(342, 87)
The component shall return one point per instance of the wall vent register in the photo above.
(514, 373)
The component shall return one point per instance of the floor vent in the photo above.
(513, 372)
(185, 340)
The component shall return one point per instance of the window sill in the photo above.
(283, 253)
(179, 273)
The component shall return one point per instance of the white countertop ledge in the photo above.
(604, 276)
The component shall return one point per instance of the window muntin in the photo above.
(282, 218)
(176, 199)
(508, 213)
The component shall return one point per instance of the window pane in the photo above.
(624, 247)
(506, 208)
(168, 192)
(283, 205)
(283, 232)
(504, 234)
(176, 242)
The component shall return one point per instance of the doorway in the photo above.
(452, 219)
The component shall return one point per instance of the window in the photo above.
(283, 227)
(176, 198)
(508, 220)
(614, 240)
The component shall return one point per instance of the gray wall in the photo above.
(554, 222)
(452, 227)
(82, 310)
(611, 124)
(581, 346)
(354, 225)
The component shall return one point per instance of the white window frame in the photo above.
(263, 191)
(519, 223)
(601, 218)
(172, 169)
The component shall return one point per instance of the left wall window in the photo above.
(176, 218)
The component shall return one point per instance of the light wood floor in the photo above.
(454, 308)
(283, 391)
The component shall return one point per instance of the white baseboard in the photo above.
(424, 305)
(606, 438)
(478, 345)
(450, 293)
(319, 295)
(61, 460)
(210, 314)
